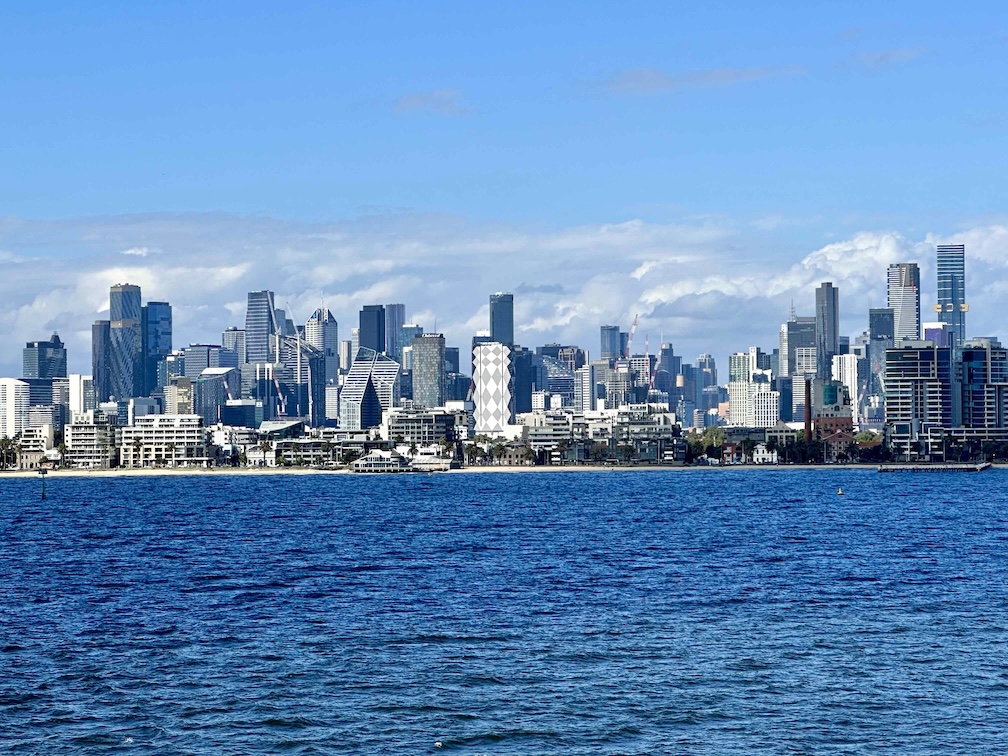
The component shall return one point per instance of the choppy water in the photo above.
(662, 612)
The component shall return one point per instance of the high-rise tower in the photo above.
(502, 318)
(429, 370)
(395, 319)
(125, 342)
(827, 301)
(372, 328)
(952, 307)
(156, 328)
(322, 332)
(259, 326)
(609, 348)
(904, 300)
(45, 359)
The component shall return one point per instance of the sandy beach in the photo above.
(476, 469)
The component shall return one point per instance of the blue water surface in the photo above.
(687, 611)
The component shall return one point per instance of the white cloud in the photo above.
(652, 80)
(441, 101)
(689, 282)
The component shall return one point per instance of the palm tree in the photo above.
(447, 447)
(137, 446)
(5, 448)
(413, 449)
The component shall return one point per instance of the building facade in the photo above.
(45, 359)
(126, 341)
(827, 300)
(322, 332)
(502, 318)
(951, 306)
(372, 329)
(493, 394)
(156, 328)
(429, 370)
(904, 300)
(14, 404)
(370, 388)
(260, 326)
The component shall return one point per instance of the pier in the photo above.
(926, 467)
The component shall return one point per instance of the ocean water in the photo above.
(690, 611)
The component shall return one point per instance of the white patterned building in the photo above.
(493, 379)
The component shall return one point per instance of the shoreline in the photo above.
(146, 472)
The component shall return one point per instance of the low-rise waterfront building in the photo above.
(171, 440)
(90, 441)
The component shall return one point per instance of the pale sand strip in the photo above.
(477, 469)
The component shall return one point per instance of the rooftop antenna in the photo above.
(793, 316)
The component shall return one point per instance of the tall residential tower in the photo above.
(904, 300)
(952, 307)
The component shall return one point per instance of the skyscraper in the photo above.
(610, 343)
(827, 299)
(156, 327)
(451, 355)
(322, 332)
(126, 341)
(234, 339)
(881, 324)
(372, 328)
(502, 318)
(371, 386)
(952, 307)
(429, 370)
(14, 403)
(904, 300)
(45, 359)
(259, 326)
(797, 333)
(493, 387)
(101, 357)
(585, 389)
(395, 319)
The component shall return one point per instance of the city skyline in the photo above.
(710, 318)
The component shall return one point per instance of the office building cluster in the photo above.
(148, 401)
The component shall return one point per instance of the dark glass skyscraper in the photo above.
(502, 318)
(881, 324)
(610, 343)
(45, 359)
(952, 307)
(101, 359)
(827, 299)
(259, 326)
(395, 319)
(372, 328)
(126, 341)
(156, 326)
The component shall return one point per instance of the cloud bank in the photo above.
(693, 284)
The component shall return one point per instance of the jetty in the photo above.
(938, 467)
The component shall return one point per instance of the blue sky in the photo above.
(770, 130)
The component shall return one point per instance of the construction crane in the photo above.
(629, 341)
